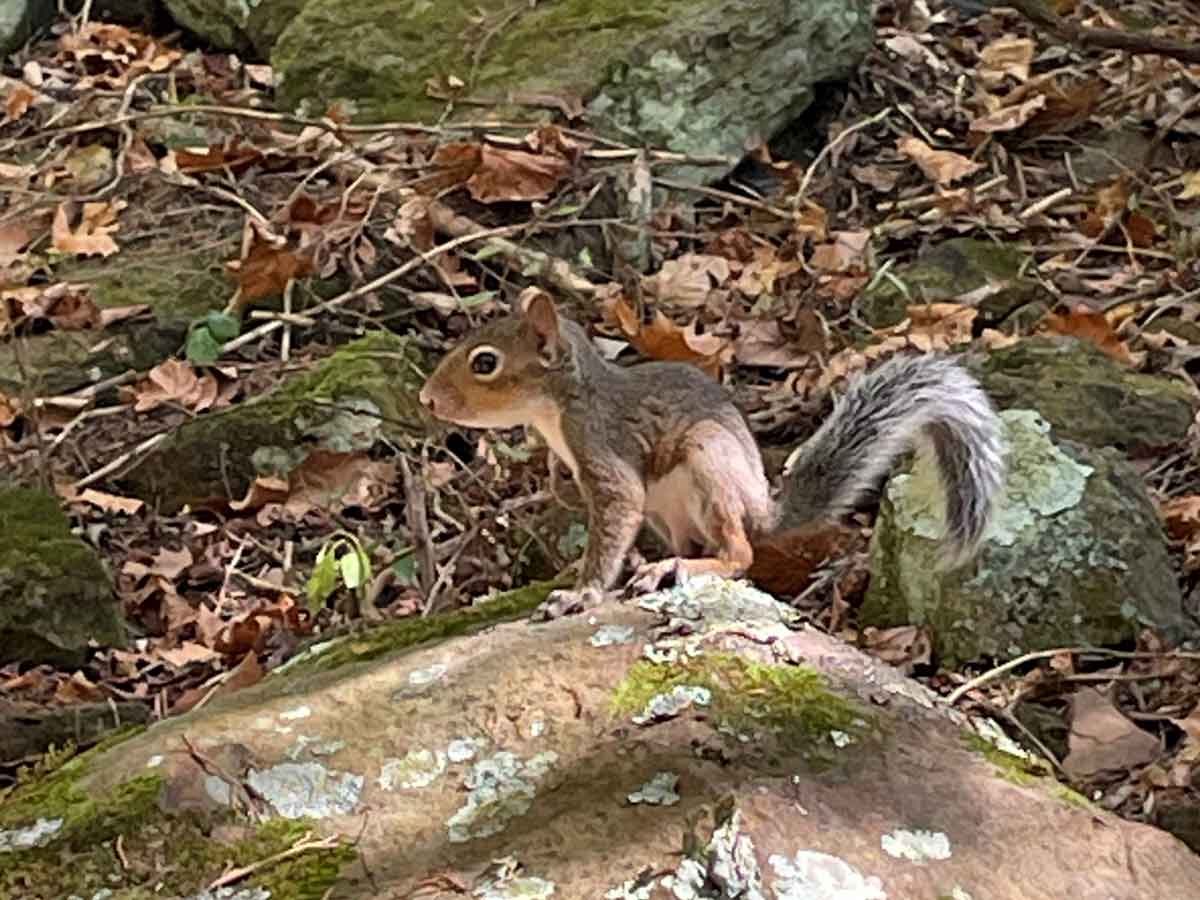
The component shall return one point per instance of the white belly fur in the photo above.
(674, 506)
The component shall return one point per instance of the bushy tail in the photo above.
(878, 419)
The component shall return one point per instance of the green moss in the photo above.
(548, 45)
(1010, 767)
(410, 632)
(161, 854)
(794, 703)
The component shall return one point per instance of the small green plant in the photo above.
(343, 558)
(205, 337)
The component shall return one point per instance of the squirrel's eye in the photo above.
(484, 363)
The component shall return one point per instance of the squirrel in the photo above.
(662, 442)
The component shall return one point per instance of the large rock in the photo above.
(1087, 396)
(55, 594)
(952, 270)
(235, 25)
(366, 390)
(701, 77)
(1076, 555)
(593, 758)
(20, 19)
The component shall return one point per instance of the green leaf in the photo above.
(585, 257)
(517, 454)
(352, 570)
(476, 299)
(489, 250)
(406, 569)
(202, 348)
(323, 580)
(223, 327)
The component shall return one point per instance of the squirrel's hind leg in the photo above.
(704, 500)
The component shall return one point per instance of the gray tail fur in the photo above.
(877, 420)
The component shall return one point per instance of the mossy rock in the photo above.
(234, 25)
(55, 594)
(1087, 396)
(366, 390)
(61, 836)
(947, 272)
(178, 288)
(1074, 555)
(696, 76)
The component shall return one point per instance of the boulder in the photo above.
(21, 19)
(1075, 555)
(725, 754)
(701, 77)
(1087, 396)
(55, 594)
(951, 270)
(366, 390)
(250, 28)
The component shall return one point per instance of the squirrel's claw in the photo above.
(566, 603)
(653, 576)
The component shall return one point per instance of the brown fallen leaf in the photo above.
(688, 279)
(663, 340)
(92, 234)
(336, 481)
(904, 647)
(494, 175)
(1007, 118)
(1104, 740)
(943, 167)
(233, 157)
(174, 381)
(187, 653)
(267, 268)
(1091, 326)
(1007, 57)
(110, 502)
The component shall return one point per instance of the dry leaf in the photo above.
(663, 340)
(174, 381)
(495, 175)
(266, 269)
(940, 166)
(93, 233)
(1088, 325)
(18, 101)
(1006, 57)
(1103, 740)
(110, 502)
(687, 280)
(1008, 118)
(1191, 185)
(846, 251)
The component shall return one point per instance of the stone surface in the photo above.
(708, 77)
(364, 391)
(1086, 395)
(55, 594)
(236, 24)
(1075, 555)
(812, 766)
(20, 19)
(950, 271)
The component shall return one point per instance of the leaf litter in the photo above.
(957, 124)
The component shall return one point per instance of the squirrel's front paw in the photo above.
(567, 602)
(653, 576)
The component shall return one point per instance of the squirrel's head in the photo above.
(497, 377)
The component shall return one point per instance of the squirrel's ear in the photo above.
(542, 318)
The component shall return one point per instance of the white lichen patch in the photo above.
(425, 677)
(719, 601)
(633, 889)
(841, 739)
(732, 866)
(819, 876)
(501, 788)
(311, 746)
(297, 790)
(232, 893)
(658, 791)
(670, 704)
(462, 750)
(154, 761)
(38, 834)
(537, 727)
(418, 769)
(526, 888)
(916, 845)
(218, 789)
(299, 712)
(609, 635)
